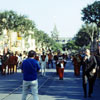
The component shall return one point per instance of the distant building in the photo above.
(55, 33)
(16, 42)
(63, 40)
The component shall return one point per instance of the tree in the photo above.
(82, 39)
(45, 42)
(11, 21)
(86, 35)
(24, 25)
(91, 14)
(56, 46)
(39, 37)
(70, 45)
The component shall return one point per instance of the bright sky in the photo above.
(66, 14)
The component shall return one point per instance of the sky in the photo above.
(65, 14)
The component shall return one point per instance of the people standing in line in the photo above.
(43, 63)
(30, 67)
(89, 72)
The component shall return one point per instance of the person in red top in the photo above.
(50, 57)
(11, 63)
(77, 64)
(60, 64)
(4, 63)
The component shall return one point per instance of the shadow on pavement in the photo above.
(10, 82)
(63, 89)
(68, 89)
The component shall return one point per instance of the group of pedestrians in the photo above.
(8, 63)
(32, 64)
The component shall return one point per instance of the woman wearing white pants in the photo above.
(43, 62)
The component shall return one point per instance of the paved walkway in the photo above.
(68, 89)
(50, 87)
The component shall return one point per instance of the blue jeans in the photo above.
(27, 85)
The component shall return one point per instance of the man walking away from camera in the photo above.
(30, 67)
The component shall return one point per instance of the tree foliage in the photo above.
(91, 13)
(42, 38)
(10, 20)
(70, 45)
(82, 38)
(86, 35)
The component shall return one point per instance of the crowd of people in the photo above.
(31, 65)
(31, 62)
(8, 63)
(87, 60)
(11, 61)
